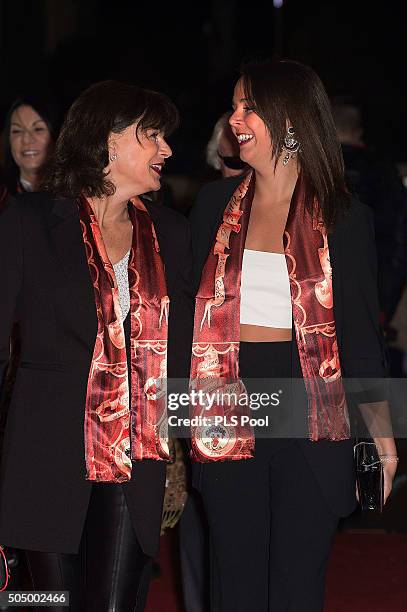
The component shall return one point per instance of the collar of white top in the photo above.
(122, 259)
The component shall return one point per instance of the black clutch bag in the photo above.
(369, 476)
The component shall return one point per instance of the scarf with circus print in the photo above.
(215, 351)
(115, 431)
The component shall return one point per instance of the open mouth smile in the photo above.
(157, 168)
(242, 139)
(30, 153)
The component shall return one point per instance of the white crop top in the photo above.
(265, 298)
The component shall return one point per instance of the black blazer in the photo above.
(46, 283)
(360, 341)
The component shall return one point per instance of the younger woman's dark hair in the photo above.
(48, 112)
(284, 91)
(81, 152)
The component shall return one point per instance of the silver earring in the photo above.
(291, 145)
(113, 157)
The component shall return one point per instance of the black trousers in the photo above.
(110, 573)
(270, 526)
(194, 554)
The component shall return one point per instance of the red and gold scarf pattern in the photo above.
(216, 359)
(215, 348)
(115, 432)
(310, 273)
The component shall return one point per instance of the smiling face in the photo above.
(135, 165)
(250, 130)
(30, 141)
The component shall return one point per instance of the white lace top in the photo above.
(122, 279)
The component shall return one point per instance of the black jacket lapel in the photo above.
(75, 282)
(205, 218)
(67, 240)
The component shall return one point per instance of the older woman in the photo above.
(99, 278)
(284, 265)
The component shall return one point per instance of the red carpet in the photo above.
(166, 591)
(367, 573)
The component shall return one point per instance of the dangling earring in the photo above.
(291, 146)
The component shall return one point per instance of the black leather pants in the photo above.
(110, 573)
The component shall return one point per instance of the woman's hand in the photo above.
(377, 418)
(389, 470)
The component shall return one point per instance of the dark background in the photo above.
(192, 52)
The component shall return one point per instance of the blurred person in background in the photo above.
(222, 151)
(28, 137)
(29, 134)
(376, 182)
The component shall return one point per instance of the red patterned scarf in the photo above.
(115, 432)
(215, 352)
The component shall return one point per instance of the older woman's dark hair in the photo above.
(81, 152)
(287, 91)
(48, 112)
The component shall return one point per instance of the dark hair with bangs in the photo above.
(286, 91)
(48, 112)
(81, 152)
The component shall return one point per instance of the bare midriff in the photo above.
(258, 333)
